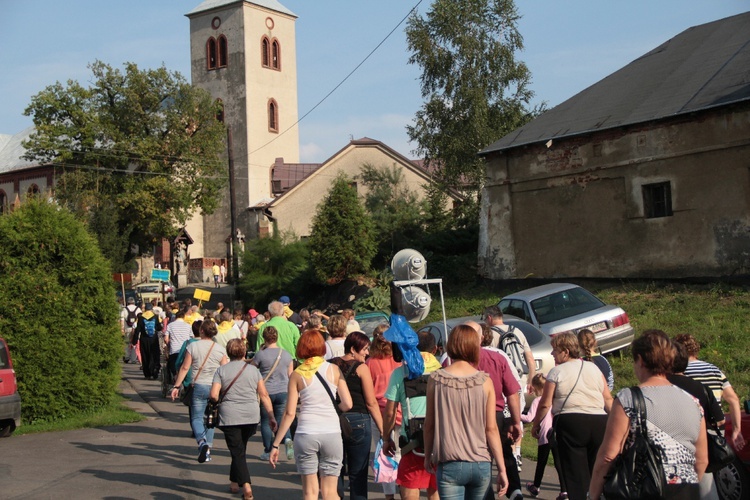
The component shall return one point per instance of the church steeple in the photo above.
(244, 54)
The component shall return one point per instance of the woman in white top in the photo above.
(203, 357)
(577, 395)
(318, 447)
(337, 336)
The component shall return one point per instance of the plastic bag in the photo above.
(401, 333)
(385, 468)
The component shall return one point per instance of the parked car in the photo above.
(733, 481)
(128, 294)
(152, 290)
(369, 320)
(561, 307)
(538, 341)
(10, 400)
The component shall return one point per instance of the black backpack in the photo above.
(415, 388)
(513, 348)
(132, 317)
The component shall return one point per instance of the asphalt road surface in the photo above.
(151, 459)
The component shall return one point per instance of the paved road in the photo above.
(154, 458)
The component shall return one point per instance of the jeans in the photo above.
(236, 437)
(197, 409)
(357, 454)
(279, 405)
(463, 480)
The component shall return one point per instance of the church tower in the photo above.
(243, 53)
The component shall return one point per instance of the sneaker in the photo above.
(289, 450)
(208, 456)
(562, 496)
(202, 453)
(516, 495)
(519, 462)
(533, 490)
(265, 456)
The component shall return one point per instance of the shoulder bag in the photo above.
(637, 471)
(346, 427)
(275, 364)
(211, 415)
(552, 433)
(720, 453)
(186, 393)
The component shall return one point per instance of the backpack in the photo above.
(150, 326)
(513, 348)
(415, 388)
(132, 317)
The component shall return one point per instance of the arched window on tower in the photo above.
(222, 51)
(265, 52)
(211, 53)
(275, 55)
(220, 110)
(273, 116)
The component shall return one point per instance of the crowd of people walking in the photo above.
(327, 392)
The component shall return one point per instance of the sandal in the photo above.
(234, 488)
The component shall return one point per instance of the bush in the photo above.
(59, 313)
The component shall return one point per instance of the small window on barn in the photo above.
(3, 202)
(222, 51)
(657, 200)
(211, 53)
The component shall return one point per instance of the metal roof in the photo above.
(703, 67)
(215, 4)
(11, 151)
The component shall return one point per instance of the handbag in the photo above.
(186, 394)
(211, 417)
(720, 453)
(637, 471)
(346, 427)
(552, 433)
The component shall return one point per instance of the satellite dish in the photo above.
(415, 303)
(408, 265)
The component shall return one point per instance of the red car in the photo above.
(10, 401)
(733, 481)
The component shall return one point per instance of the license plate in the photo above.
(598, 327)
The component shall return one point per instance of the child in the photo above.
(537, 384)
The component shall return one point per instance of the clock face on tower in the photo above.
(215, 22)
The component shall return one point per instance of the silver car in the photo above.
(538, 341)
(562, 307)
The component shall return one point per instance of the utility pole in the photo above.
(233, 215)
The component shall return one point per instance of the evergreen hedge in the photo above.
(59, 314)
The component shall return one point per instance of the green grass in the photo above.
(715, 314)
(115, 413)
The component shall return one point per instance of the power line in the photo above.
(341, 82)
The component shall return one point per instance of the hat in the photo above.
(131, 300)
(285, 300)
(253, 313)
(149, 306)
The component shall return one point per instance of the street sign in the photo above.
(160, 274)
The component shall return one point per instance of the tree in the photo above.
(475, 90)
(59, 313)
(396, 211)
(342, 243)
(273, 266)
(138, 152)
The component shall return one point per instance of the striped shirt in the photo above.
(708, 375)
(179, 332)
